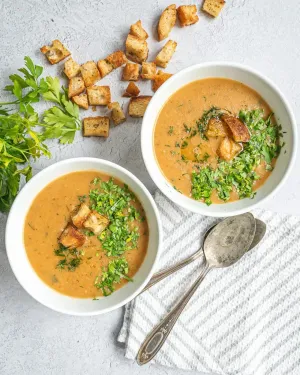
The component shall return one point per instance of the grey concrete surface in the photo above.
(263, 34)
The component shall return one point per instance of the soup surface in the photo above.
(106, 260)
(192, 157)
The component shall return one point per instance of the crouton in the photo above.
(239, 130)
(164, 56)
(90, 73)
(98, 95)
(81, 101)
(131, 90)
(216, 128)
(137, 30)
(117, 114)
(56, 52)
(137, 106)
(81, 215)
(96, 223)
(104, 68)
(166, 22)
(96, 126)
(229, 149)
(71, 237)
(187, 15)
(116, 59)
(136, 49)
(76, 86)
(71, 68)
(159, 79)
(213, 7)
(131, 72)
(148, 70)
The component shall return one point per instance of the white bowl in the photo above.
(22, 268)
(267, 90)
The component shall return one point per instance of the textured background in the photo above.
(265, 35)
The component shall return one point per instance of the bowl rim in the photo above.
(145, 142)
(13, 211)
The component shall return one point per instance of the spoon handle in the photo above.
(157, 277)
(155, 340)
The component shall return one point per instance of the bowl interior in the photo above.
(22, 267)
(250, 78)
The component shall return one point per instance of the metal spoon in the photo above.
(157, 277)
(224, 245)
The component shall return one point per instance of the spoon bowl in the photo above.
(229, 240)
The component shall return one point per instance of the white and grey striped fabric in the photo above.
(243, 320)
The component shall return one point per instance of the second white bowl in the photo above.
(273, 97)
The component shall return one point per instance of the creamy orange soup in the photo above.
(180, 147)
(48, 216)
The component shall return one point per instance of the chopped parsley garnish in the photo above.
(71, 258)
(171, 130)
(116, 270)
(186, 128)
(184, 144)
(115, 202)
(239, 174)
(82, 198)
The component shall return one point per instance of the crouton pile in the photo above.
(82, 218)
(83, 78)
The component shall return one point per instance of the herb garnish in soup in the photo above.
(86, 234)
(216, 140)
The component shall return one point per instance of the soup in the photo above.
(216, 140)
(86, 234)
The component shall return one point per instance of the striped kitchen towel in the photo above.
(243, 320)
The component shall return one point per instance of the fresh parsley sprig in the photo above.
(23, 133)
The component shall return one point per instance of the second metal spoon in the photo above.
(157, 277)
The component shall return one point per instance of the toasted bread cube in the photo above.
(76, 86)
(166, 53)
(104, 67)
(159, 79)
(137, 30)
(81, 101)
(116, 59)
(96, 223)
(213, 7)
(71, 68)
(166, 22)
(96, 126)
(81, 215)
(117, 114)
(136, 49)
(56, 52)
(229, 149)
(90, 73)
(71, 237)
(137, 106)
(240, 132)
(131, 90)
(216, 128)
(187, 15)
(131, 72)
(98, 95)
(148, 70)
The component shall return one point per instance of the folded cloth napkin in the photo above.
(243, 320)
